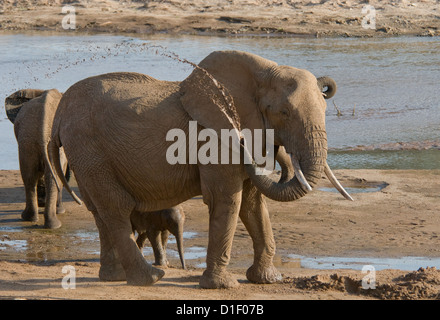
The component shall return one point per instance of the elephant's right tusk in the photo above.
(298, 173)
(328, 172)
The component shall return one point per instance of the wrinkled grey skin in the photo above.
(25, 109)
(114, 128)
(156, 226)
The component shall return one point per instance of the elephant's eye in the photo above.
(285, 113)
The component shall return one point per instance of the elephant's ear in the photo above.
(209, 102)
(223, 89)
(327, 86)
(15, 101)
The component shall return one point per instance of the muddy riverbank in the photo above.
(399, 219)
(281, 17)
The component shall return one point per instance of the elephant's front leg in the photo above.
(159, 251)
(223, 214)
(255, 217)
(60, 205)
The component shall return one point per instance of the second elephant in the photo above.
(156, 226)
(26, 109)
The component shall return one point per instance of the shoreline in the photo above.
(326, 19)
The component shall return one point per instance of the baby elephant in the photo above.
(32, 112)
(156, 226)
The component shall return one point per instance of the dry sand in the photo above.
(228, 17)
(401, 220)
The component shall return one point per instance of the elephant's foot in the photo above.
(258, 274)
(52, 223)
(41, 202)
(60, 209)
(29, 215)
(144, 276)
(163, 263)
(114, 272)
(220, 279)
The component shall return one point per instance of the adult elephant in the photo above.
(26, 109)
(113, 128)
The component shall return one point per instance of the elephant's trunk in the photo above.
(308, 167)
(179, 241)
(308, 171)
(289, 191)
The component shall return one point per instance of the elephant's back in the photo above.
(121, 120)
(119, 85)
(27, 120)
(116, 90)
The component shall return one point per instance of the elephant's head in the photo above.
(15, 101)
(269, 96)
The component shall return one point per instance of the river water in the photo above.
(389, 112)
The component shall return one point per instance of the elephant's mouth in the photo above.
(298, 185)
(328, 172)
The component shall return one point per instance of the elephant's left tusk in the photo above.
(335, 182)
(298, 173)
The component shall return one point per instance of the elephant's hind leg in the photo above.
(111, 268)
(140, 241)
(114, 207)
(30, 173)
(51, 220)
(137, 270)
(255, 217)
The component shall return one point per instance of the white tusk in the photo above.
(298, 173)
(335, 182)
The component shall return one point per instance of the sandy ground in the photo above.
(228, 17)
(401, 220)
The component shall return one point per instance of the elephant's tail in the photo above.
(51, 155)
(52, 151)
